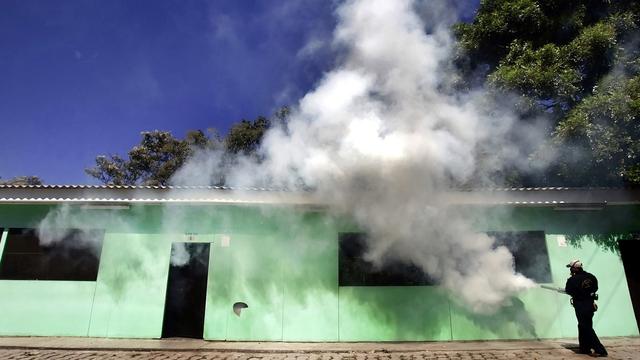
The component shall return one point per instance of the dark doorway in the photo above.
(629, 250)
(186, 291)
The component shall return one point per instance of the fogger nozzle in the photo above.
(553, 288)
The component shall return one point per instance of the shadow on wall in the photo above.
(402, 313)
(424, 313)
(309, 260)
(606, 241)
(129, 262)
(505, 320)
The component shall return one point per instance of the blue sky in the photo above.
(79, 78)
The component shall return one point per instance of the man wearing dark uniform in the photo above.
(582, 287)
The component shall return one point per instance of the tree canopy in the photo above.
(574, 61)
(159, 154)
(22, 180)
(245, 137)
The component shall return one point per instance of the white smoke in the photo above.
(179, 254)
(379, 140)
(65, 226)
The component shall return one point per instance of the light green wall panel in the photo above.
(313, 317)
(217, 305)
(311, 281)
(393, 313)
(131, 286)
(45, 308)
(248, 270)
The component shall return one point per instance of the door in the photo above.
(629, 250)
(186, 290)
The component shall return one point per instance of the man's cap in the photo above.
(575, 264)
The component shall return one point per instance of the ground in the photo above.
(14, 348)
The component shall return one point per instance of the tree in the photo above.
(198, 140)
(575, 61)
(245, 136)
(159, 154)
(22, 180)
(604, 132)
(152, 162)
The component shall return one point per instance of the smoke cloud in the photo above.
(380, 140)
(63, 226)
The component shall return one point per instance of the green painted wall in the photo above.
(131, 286)
(287, 276)
(282, 262)
(44, 308)
(390, 313)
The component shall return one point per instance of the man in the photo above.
(582, 287)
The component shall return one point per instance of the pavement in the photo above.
(58, 348)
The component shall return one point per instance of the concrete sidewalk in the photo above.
(78, 343)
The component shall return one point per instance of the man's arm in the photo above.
(568, 288)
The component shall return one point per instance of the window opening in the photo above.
(74, 255)
(354, 270)
(529, 250)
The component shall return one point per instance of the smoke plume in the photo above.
(379, 140)
(63, 226)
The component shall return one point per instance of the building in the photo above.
(275, 266)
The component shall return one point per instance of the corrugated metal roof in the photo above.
(134, 187)
(198, 187)
(148, 194)
(552, 188)
(127, 194)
